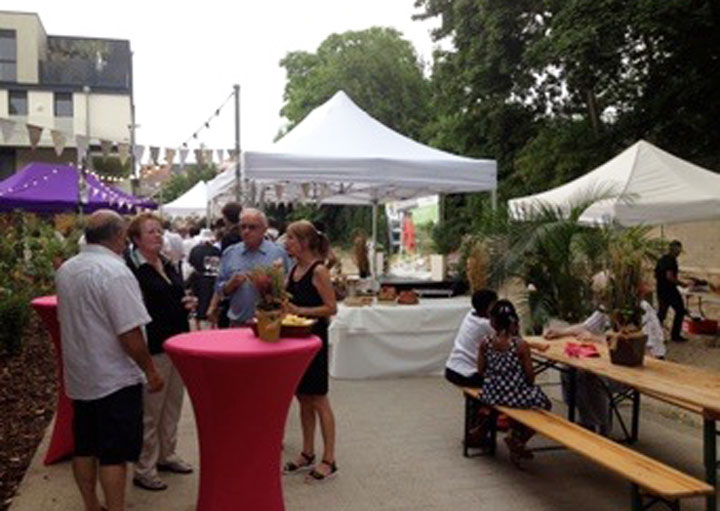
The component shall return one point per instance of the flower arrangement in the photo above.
(269, 282)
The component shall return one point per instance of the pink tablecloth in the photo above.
(62, 443)
(241, 389)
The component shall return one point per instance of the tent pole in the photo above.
(373, 270)
(238, 181)
(493, 198)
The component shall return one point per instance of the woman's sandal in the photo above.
(316, 475)
(306, 464)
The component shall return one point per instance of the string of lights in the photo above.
(206, 124)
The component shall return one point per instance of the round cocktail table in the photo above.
(241, 389)
(62, 443)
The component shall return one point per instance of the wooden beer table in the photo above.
(681, 385)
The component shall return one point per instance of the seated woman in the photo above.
(461, 365)
(509, 380)
(591, 397)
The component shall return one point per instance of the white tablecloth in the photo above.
(383, 341)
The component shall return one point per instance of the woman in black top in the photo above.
(164, 297)
(312, 295)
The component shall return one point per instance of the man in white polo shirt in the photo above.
(106, 360)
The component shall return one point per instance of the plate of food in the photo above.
(387, 294)
(296, 326)
(292, 326)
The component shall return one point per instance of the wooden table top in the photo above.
(679, 382)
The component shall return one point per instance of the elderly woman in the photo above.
(312, 296)
(165, 300)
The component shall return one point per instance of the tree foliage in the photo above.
(551, 88)
(180, 183)
(376, 67)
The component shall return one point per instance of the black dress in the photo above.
(305, 294)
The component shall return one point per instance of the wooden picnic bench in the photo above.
(651, 481)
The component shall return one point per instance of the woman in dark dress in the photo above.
(313, 296)
(164, 296)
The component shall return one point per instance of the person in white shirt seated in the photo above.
(594, 327)
(461, 366)
(591, 396)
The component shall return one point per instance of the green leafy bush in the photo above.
(31, 250)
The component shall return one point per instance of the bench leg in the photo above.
(637, 504)
(710, 459)
(470, 414)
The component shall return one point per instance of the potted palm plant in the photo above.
(626, 340)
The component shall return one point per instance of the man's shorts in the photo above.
(110, 428)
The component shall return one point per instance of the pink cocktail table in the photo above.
(62, 443)
(241, 389)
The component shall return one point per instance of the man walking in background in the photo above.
(666, 277)
(101, 313)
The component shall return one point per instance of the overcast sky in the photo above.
(186, 59)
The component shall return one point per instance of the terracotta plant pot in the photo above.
(627, 348)
(269, 324)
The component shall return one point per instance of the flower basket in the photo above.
(627, 347)
(269, 324)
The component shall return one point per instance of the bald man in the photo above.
(106, 360)
(239, 259)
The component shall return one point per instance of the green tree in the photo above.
(557, 86)
(180, 183)
(376, 67)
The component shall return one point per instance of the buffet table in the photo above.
(390, 340)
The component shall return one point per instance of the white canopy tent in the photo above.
(192, 202)
(642, 185)
(339, 154)
(362, 160)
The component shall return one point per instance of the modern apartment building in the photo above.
(75, 85)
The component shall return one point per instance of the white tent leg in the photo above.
(493, 198)
(373, 270)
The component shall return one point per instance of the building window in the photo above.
(18, 102)
(63, 104)
(8, 56)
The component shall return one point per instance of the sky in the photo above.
(188, 56)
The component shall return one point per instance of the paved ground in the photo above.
(399, 450)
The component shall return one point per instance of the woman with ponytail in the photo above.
(313, 296)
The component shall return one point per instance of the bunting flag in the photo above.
(154, 154)
(58, 138)
(123, 152)
(199, 155)
(169, 155)
(208, 156)
(34, 134)
(138, 152)
(220, 154)
(279, 189)
(106, 147)
(7, 127)
(183, 155)
(83, 144)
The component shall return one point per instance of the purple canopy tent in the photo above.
(52, 188)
